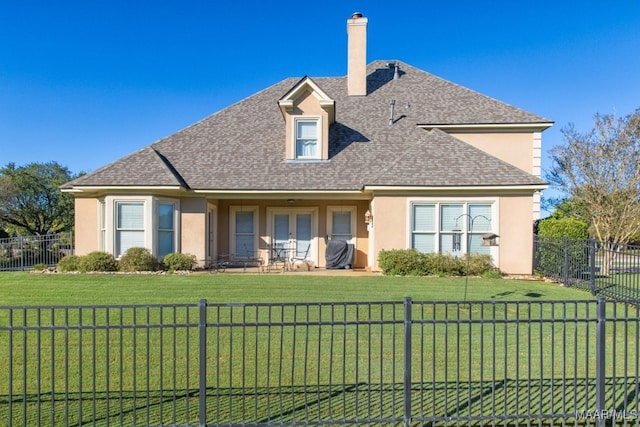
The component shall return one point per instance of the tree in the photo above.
(600, 172)
(31, 201)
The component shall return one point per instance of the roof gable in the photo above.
(306, 84)
(146, 167)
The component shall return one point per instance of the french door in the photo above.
(294, 229)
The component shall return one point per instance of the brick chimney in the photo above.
(357, 55)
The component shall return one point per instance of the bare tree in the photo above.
(600, 171)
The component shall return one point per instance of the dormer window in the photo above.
(308, 112)
(307, 138)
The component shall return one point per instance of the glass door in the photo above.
(292, 231)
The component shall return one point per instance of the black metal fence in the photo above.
(24, 252)
(383, 363)
(608, 269)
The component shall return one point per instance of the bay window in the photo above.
(138, 221)
(166, 229)
(129, 226)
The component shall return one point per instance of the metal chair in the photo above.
(302, 259)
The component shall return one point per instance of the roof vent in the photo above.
(396, 72)
(392, 105)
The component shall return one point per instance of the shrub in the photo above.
(69, 263)
(401, 262)
(410, 262)
(570, 227)
(560, 238)
(178, 261)
(97, 261)
(444, 265)
(479, 264)
(38, 267)
(137, 259)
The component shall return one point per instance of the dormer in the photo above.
(308, 112)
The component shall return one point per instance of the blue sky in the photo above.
(84, 83)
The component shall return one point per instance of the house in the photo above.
(386, 157)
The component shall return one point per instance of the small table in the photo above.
(279, 255)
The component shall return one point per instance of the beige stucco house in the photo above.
(387, 157)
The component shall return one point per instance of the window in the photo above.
(424, 228)
(433, 226)
(129, 226)
(342, 224)
(102, 221)
(166, 229)
(307, 140)
(139, 221)
(244, 225)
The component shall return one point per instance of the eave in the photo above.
(279, 194)
(456, 189)
(120, 188)
(484, 127)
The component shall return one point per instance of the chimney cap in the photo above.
(356, 15)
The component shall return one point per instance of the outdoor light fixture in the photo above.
(368, 218)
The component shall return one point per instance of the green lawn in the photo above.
(73, 289)
(285, 359)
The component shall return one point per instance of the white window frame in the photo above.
(102, 225)
(463, 223)
(232, 228)
(150, 221)
(353, 210)
(117, 229)
(319, 143)
(156, 225)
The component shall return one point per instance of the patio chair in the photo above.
(302, 259)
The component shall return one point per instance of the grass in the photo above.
(68, 289)
(284, 366)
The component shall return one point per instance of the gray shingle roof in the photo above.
(243, 146)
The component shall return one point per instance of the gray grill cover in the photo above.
(339, 254)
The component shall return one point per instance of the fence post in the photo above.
(407, 361)
(600, 359)
(21, 253)
(565, 264)
(202, 363)
(592, 265)
(534, 255)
